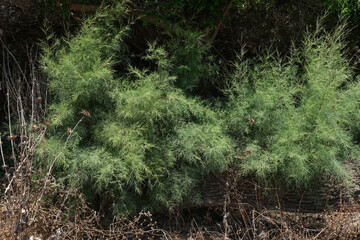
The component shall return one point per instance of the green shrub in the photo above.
(296, 120)
(146, 142)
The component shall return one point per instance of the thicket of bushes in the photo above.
(149, 140)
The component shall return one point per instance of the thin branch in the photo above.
(220, 23)
(9, 118)
(50, 170)
(3, 160)
(16, 62)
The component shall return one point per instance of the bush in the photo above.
(146, 143)
(296, 120)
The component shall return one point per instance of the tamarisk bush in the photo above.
(296, 120)
(143, 141)
(146, 141)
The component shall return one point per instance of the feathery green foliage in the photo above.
(80, 68)
(294, 123)
(191, 61)
(146, 142)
